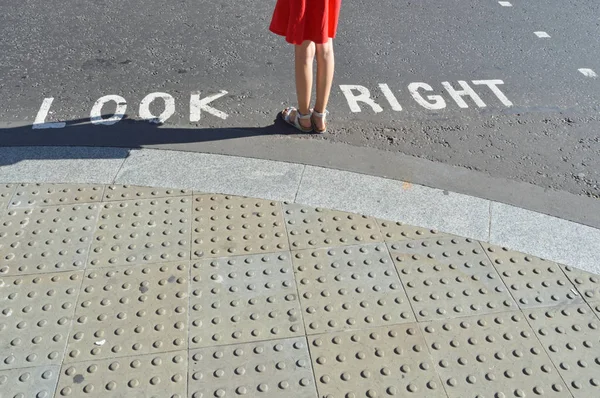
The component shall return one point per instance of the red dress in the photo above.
(300, 20)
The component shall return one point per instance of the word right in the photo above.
(356, 95)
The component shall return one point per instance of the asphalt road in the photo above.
(543, 129)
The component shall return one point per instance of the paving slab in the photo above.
(378, 362)
(533, 282)
(211, 173)
(571, 336)
(154, 292)
(226, 225)
(348, 288)
(315, 227)
(142, 231)
(587, 284)
(269, 369)
(395, 201)
(6, 193)
(551, 238)
(29, 195)
(596, 308)
(38, 382)
(92, 165)
(449, 277)
(394, 231)
(37, 313)
(242, 299)
(46, 239)
(125, 192)
(130, 311)
(152, 376)
(493, 355)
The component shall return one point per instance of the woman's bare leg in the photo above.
(304, 55)
(325, 67)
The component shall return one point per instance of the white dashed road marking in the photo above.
(588, 72)
(542, 35)
(505, 3)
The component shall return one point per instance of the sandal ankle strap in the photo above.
(301, 116)
(321, 115)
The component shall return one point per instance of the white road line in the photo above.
(588, 72)
(505, 3)
(166, 113)
(40, 119)
(197, 105)
(542, 35)
(466, 91)
(96, 112)
(389, 95)
(437, 103)
(364, 96)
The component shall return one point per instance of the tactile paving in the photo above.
(397, 231)
(6, 193)
(36, 316)
(571, 335)
(38, 382)
(350, 287)
(130, 311)
(379, 362)
(533, 282)
(243, 298)
(125, 192)
(232, 225)
(495, 355)
(310, 227)
(47, 239)
(148, 376)
(269, 369)
(142, 231)
(596, 309)
(449, 277)
(33, 195)
(587, 284)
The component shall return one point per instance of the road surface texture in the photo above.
(540, 125)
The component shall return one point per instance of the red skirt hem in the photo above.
(302, 20)
(290, 40)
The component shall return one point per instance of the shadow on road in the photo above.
(128, 133)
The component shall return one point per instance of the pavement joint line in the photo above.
(546, 350)
(73, 320)
(291, 253)
(508, 289)
(582, 295)
(114, 179)
(387, 247)
(11, 196)
(431, 357)
(489, 237)
(299, 184)
(189, 321)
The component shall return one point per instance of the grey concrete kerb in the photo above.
(534, 233)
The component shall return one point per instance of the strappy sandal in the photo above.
(296, 122)
(321, 116)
